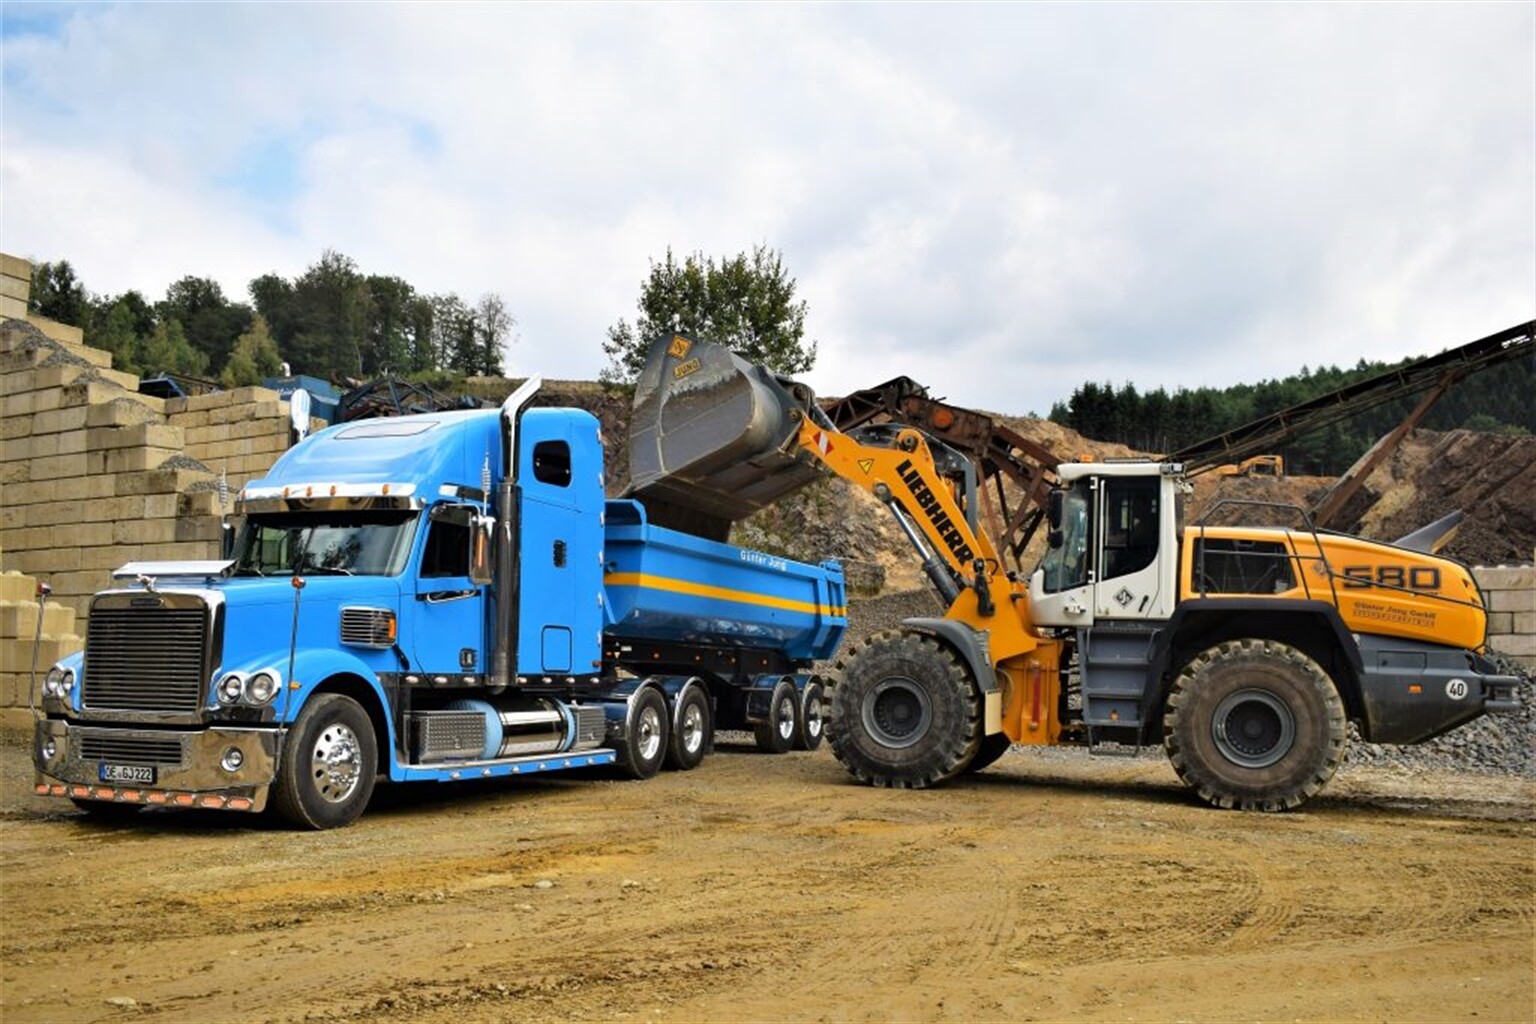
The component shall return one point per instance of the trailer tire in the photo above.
(812, 726)
(992, 747)
(904, 712)
(644, 748)
(328, 765)
(776, 733)
(1255, 725)
(692, 729)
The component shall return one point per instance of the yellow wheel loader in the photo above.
(1246, 651)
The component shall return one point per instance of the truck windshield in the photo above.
(1066, 566)
(325, 543)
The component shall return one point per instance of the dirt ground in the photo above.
(1051, 887)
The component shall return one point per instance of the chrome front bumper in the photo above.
(188, 766)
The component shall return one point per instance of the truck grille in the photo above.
(110, 746)
(145, 658)
(368, 627)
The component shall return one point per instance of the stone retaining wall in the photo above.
(1511, 595)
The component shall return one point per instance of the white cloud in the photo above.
(999, 200)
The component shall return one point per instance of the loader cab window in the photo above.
(1066, 564)
(1130, 524)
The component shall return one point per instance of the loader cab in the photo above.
(1113, 549)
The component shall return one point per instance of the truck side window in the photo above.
(447, 551)
(1130, 525)
(552, 463)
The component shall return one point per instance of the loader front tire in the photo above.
(1254, 725)
(904, 713)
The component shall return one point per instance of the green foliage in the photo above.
(211, 322)
(167, 350)
(57, 295)
(746, 302)
(1495, 400)
(253, 359)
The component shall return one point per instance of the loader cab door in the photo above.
(1134, 562)
(1113, 553)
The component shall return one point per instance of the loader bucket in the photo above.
(712, 437)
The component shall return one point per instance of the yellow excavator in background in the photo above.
(1245, 651)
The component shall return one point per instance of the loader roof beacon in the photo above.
(426, 599)
(1245, 650)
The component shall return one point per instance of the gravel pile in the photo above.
(1503, 744)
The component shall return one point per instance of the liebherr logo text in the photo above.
(942, 524)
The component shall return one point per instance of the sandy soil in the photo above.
(1050, 887)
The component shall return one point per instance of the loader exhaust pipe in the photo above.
(713, 437)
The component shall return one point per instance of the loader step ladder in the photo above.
(1114, 659)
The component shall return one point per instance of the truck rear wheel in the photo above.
(691, 729)
(328, 765)
(812, 726)
(904, 712)
(645, 735)
(1254, 725)
(776, 733)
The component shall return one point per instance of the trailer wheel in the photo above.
(645, 735)
(328, 764)
(812, 725)
(992, 747)
(776, 734)
(904, 712)
(691, 729)
(1254, 725)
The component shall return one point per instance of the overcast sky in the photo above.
(998, 200)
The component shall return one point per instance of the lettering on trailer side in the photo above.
(937, 517)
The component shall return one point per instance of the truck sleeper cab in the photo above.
(431, 598)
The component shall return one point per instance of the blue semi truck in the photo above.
(431, 598)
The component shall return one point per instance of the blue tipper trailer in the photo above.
(431, 598)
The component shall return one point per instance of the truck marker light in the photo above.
(56, 790)
(184, 799)
(211, 801)
(240, 803)
(106, 792)
(134, 795)
(79, 791)
(157, 797)
(41, 788)
(1415, 688)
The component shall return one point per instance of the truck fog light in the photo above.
(261, 687)
(232, 760)
(49, 749)
(230, 687)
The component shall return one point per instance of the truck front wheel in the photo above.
(328, 765)
(903, 712)
(1254, 725)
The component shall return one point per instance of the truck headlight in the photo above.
(66, 682)
(261, 687)
(230, 687)
(51, 681)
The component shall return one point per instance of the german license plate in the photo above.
(144, 775)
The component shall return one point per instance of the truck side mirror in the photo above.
(1054, 539)
(481, 564)
(1053, 514)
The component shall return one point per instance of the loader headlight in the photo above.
(261, 687)
(230, 688)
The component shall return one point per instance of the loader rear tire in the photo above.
(903, 712)
(1254, 725)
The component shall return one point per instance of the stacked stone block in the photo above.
(1511, 596)
(18, 632)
